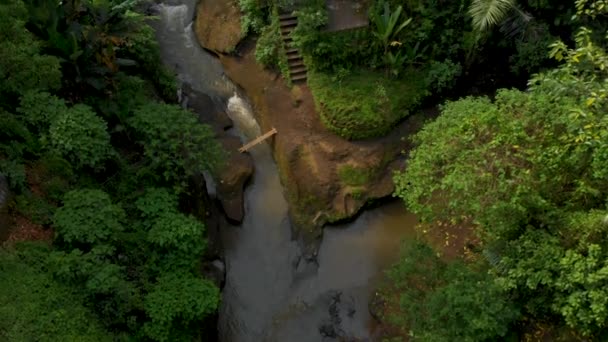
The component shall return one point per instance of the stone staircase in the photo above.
(297, 69)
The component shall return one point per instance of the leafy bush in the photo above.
(365, 104)
(88, 217)
(144, 48)
(39, 109)
(36, 307)
(15, 138)
(22, 66)
(178, 233)
(176, 304)
(442, 76)
(81, 136)
(175, 143)
(253, 18)
(38, 209)
(15, 174)
(156, 202)
(441, 301)
(269, 45)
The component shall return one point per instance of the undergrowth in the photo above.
(365, 104)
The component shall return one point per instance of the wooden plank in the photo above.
(258, 140)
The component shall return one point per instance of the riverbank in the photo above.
(327, 178)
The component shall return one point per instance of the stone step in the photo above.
(297, 70)
(288, 22)
(292, 51)
(293, 56)
(287, 39)
(287, 30)
(299, 78)
(295, 63)
(286, 16)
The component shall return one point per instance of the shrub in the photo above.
(178, 233)
(442, 75)
(35, 208)
(81, 136)
(365, 104)
(143, 47)
(268, 46)
(440, 301)
(176, 305)
(175, 143)
(39, 109)
(15, 174)
(156, 202)
(252, 18)
(88, 217)
(36, 307)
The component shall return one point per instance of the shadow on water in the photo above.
(272, 292)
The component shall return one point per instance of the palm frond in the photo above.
(489, 13)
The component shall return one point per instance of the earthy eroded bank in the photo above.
(310, 157)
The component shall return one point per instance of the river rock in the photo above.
(216, 271)
(232, 179)
(206, 108)
(218, 25)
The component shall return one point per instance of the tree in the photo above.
(529, 170)
(176, 303)
(34, 306)
(441, 301)
(87, 218)
(22, 66)
(81, 136)
(488, 13)
(175, 143)
(386, 26)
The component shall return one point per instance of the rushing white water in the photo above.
(181, 52)
(240, 112)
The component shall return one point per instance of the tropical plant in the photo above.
(386, 24)
(488, 13)
(81, 136)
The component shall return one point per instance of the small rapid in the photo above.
(272, 291)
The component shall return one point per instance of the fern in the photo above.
(489, 13)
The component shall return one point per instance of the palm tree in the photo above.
(488, 13)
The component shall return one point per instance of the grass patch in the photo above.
(365, 104)
(353, 176)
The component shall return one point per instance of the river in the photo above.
(273, 293)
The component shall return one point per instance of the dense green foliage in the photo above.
(37, 307)
(528, 169)
(93, 153)
(364, 104)
(447, 301)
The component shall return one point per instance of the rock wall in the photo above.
(218, 25)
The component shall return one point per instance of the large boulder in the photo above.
(218, 25)
(232, 180)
